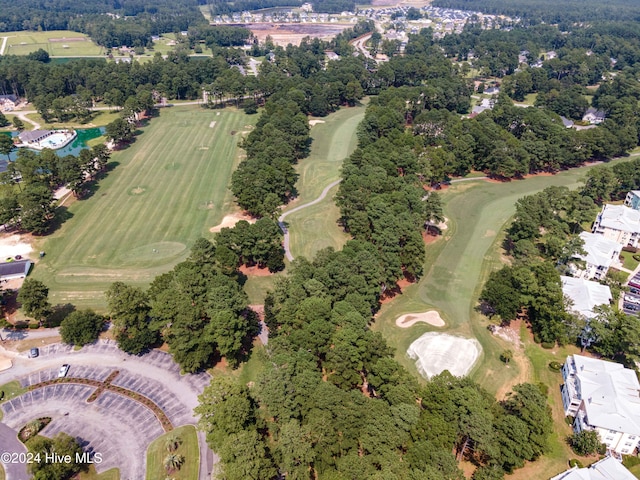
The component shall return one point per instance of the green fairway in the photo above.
(457, 265)
(316, 227)
(157, 452)
(167, 189)
(57, 43)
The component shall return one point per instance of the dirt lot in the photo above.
(283, 34)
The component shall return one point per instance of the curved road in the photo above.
(281, 218)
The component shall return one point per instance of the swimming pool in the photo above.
(56, 140)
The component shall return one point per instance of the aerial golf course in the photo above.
(163, 192)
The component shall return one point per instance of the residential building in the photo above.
(8, 102)
(34, 136)
(585, 295)
(633, 199)
(18, 269)
(618, 223)
(594, 116)
(606, 469)
(605, 397)
(602, 253)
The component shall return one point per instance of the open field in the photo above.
(58, 43)
(166, 190)
(286, 33)
(315, 227)
(188, 449)
(99, 118)
(11, 390)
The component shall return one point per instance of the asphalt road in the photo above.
(9, 443)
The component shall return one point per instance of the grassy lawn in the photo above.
(629, 262)
(9, 128)
(166, 190)
(315, 227)
(98, 119)
(257, 287)
(530, 99)
(11, 390)
(58, 43)
(188, 449)
(91, 474)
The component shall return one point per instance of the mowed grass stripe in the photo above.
(149, 210)
(315, 227)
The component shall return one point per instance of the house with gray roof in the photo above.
(18, 269)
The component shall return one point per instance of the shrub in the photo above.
(1, 395)
(548, 345)
(630, 461)
(555, 366)
(574, 462)
(34, 326)
(585, 443)
(636, 257)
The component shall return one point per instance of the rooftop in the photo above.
(610, 393)
(619, 217)
(606, 469)
(585, 294)
(600, 250)
(14, 268)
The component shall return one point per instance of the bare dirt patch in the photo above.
(431, 317)
(230, 220)
(255, 271)
(5, 363)
(13, 245)
(283, 34)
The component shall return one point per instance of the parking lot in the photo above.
(631, 303)
(114, 425)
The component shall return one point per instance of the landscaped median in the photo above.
(106, 385)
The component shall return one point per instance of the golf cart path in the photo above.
(281, 218)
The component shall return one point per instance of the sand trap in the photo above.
(315, 122)
(5, 363)
(230, 221)
(437, 352)
(212, 124)
(431, 317)
(13, 245)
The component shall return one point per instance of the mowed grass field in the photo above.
(315, 227)
(166, 190)
(457, 265)
(58, 43)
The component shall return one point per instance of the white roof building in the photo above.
(585, 294)
(632, 199)
(606, 469)
(618, 223)
(605, 397)
(602, 253)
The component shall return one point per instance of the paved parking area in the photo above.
(116, 426)
(77, 371)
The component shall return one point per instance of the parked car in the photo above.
(34, 352)
(64, 369)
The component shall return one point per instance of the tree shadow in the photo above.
(58, 314)
(61, 215)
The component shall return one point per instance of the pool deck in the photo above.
(41, 145)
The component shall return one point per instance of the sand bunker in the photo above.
(230, 221)
(437, 352)
(13, 245)
(315, 122)
(431, 317)
(5, 363)
(212, 124)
